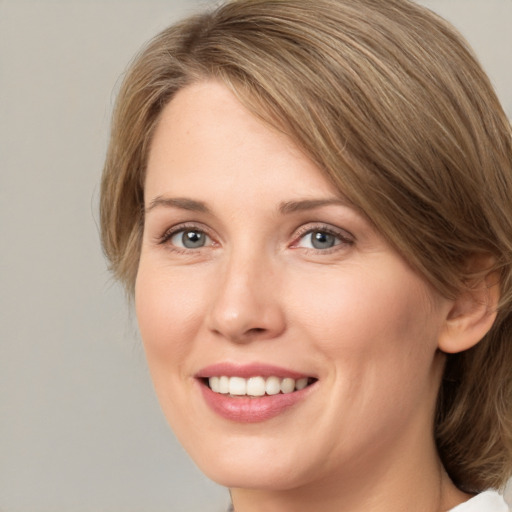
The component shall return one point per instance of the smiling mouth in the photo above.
(256, 386)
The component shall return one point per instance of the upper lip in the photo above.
(255, 369)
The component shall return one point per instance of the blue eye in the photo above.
(190, 239)
(322, 239)
(319, 240)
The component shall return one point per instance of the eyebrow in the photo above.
(178, 202)
(286, 207)
(311, 204)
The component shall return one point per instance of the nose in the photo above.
(246, 305)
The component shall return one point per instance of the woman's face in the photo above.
(257, 277)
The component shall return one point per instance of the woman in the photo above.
(310, 203)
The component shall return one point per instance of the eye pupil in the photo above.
(193, 239)
(322, 240)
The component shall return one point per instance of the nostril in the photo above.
(255, 330)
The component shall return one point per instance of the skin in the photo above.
(354, 315)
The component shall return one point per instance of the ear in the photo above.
(472, 313)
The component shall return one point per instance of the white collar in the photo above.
(488, 501)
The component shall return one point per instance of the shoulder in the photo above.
(488, 501)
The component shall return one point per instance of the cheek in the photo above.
(377, 333)
(169, 311)
(359, 302)
(379, 327)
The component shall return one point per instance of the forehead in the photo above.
(206, 140)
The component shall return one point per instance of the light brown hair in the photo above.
(388, 100)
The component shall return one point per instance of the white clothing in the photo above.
(488, 501)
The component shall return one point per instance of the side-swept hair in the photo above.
(388, 100)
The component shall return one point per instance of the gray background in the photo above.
(80, 428)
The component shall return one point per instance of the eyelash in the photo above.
(345, 238)
(166, 237)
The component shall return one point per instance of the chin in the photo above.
(251, 478)
(251, 469)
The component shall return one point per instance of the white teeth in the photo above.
(255, 386)
(237, 386)
(301, 383)
(223, 385)
(273, 386)
(214, 384)
(288, 385)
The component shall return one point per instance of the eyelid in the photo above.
(345, 236)
(183, 226)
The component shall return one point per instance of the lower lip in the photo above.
(252, 410)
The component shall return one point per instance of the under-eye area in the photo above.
(256, 386)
